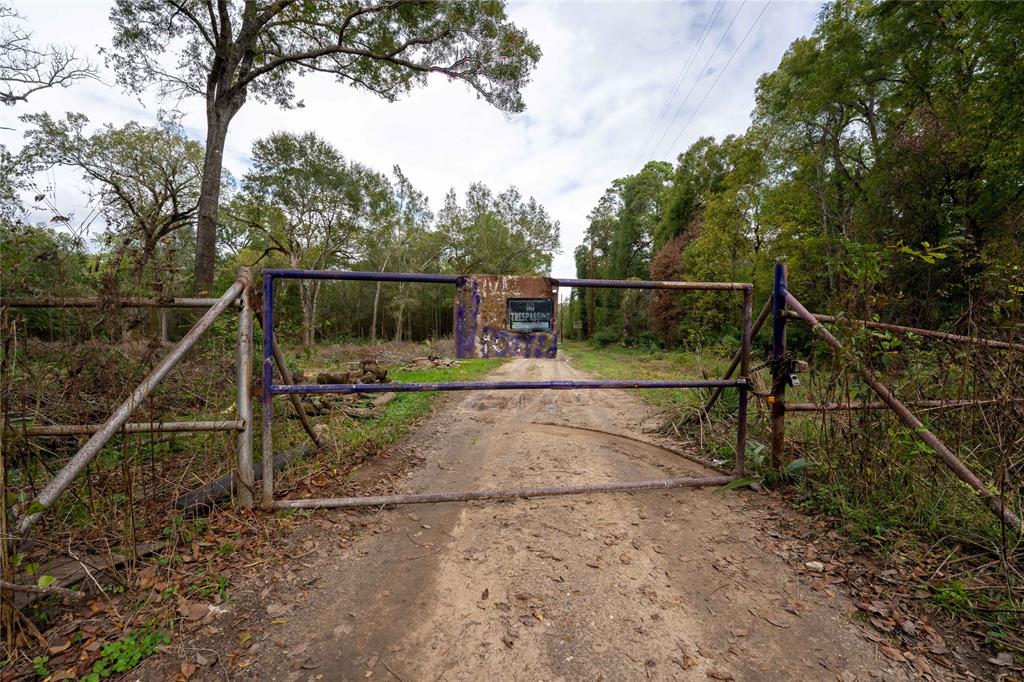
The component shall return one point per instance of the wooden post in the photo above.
(777, 424)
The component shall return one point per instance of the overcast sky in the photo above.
(606, 75)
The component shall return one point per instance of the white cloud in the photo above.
(606, 71)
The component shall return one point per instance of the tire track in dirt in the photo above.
(646, 585)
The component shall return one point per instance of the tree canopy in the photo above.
(225, 53)
(885, 157)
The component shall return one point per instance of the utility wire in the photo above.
(719, 76)
(679, 81)
(697, 78)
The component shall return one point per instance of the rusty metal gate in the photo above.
(270, 389)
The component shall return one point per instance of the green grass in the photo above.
(683, 408)
(617, 362)
(407, 408)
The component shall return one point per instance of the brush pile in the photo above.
(362, 372)
(352, 404)
(430, 362)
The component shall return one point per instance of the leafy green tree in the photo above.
(620, 238)
(34, 258)
(699, 173)
(302, 199)
(226, 51)
(145, 179)
(503, 234)
(899, 118)
(13, 180)
(421, 249)
(401, 218)
(643, 199)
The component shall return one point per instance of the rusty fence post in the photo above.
(243, 370)
(268, 396)
(744, 389)
(777, 401)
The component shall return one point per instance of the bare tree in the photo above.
(26, 68)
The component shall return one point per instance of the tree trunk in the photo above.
(315, 285)
(376, 302)
(307, 314)
(218, 116)
(398, 322)
(373, 323)
(165, 336)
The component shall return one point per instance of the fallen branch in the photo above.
(201, 501)
(32, 589)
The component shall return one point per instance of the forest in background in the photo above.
(166, 219)
(884, 164)
(301, 204)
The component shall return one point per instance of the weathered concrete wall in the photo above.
(482, 328)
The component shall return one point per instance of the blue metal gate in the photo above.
(270, 389)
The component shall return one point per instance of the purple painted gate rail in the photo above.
(270, 389)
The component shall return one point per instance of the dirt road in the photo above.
(658, 585)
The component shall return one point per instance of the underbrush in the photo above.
(150, 568)
(869, 474)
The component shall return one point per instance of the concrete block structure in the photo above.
(505, 316)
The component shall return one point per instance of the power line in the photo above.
(719, 76)
(679, 81)
(697, 78)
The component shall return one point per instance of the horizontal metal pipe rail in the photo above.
(927, 404)
(557, 385)
(505, 494)
(931, 333)
(360, 276)
(964, 472)
(640, 284)
(135, 427)
(355, 275)
(57, 302)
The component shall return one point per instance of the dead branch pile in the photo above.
(362, 372)
(431, 362)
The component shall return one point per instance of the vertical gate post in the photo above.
(268, 382)
(243, 369)
(744, 390)
(777, 424)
